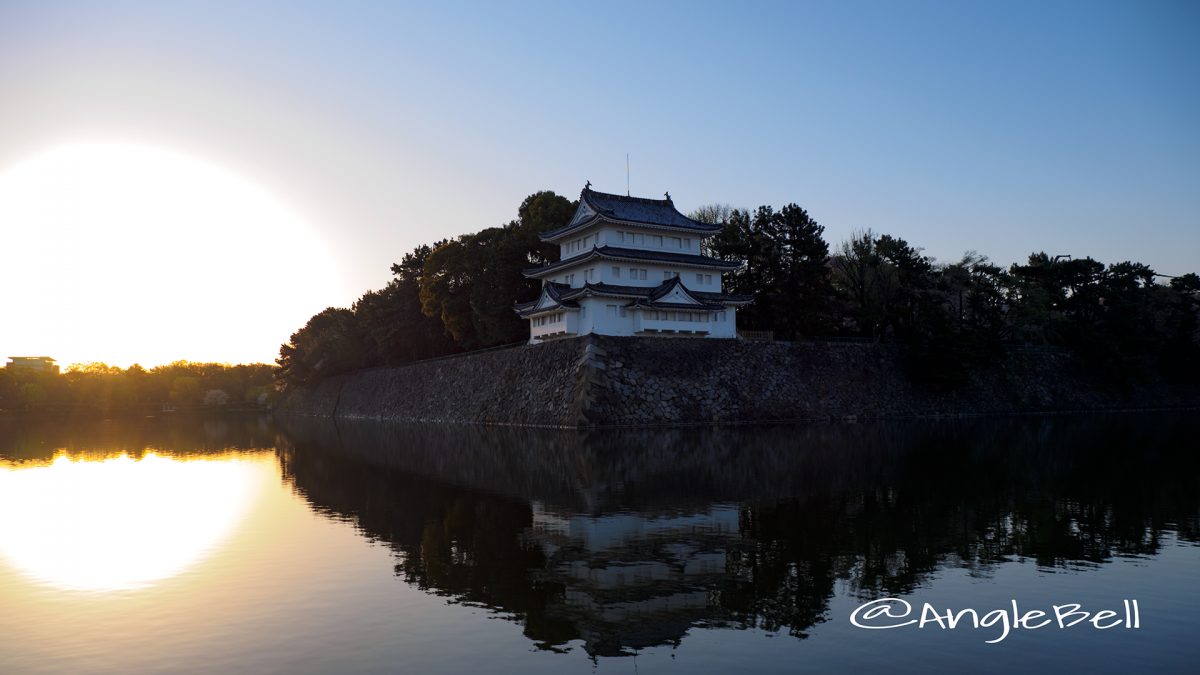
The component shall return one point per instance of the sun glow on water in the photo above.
(121, 523)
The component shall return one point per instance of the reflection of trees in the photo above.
(627, 539)
(451, 541)
(39, 438)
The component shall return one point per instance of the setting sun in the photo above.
(132, 253)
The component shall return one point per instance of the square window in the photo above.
(656, 240)
(616, 272)
(641, 274)
(699, 278)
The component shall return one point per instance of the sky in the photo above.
(194, 180)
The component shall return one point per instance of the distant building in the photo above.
(631, 266)
(43, 364)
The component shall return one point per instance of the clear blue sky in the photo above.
(1070, 127)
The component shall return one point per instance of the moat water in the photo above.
(238, 544)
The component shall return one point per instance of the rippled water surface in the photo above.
(238, 544)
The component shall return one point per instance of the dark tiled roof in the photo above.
(656, 212)
(643, 296)
(712, 307)
(666, 287)
(733, 298)
(652, 294)
(616, 253)
(552, 289)
(528, 311)
(602, 288)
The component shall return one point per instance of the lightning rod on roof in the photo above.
(627, 174)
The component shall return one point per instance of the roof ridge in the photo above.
(626, 198)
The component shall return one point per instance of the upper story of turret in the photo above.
(653, 225)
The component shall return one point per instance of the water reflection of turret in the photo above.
(627, 540)
(633, 580)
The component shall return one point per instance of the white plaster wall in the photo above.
(629, 237)
(580, 243)
(726, 328)
(595, 317)
(655, 274)
(608, 320)
(587, 314)
(712, 327)
(652, 240)
(569, 325)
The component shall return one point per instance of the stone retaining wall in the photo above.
(525, 385)
(610, 381)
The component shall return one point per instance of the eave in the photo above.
(599, 218)
(633, 255)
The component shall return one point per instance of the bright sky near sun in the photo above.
(195, 181)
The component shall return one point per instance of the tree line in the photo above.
(450, 296)
(457, 294)
(104, 388)
(952, 316)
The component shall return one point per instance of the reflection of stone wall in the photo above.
(593, 471)
(600, 381)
